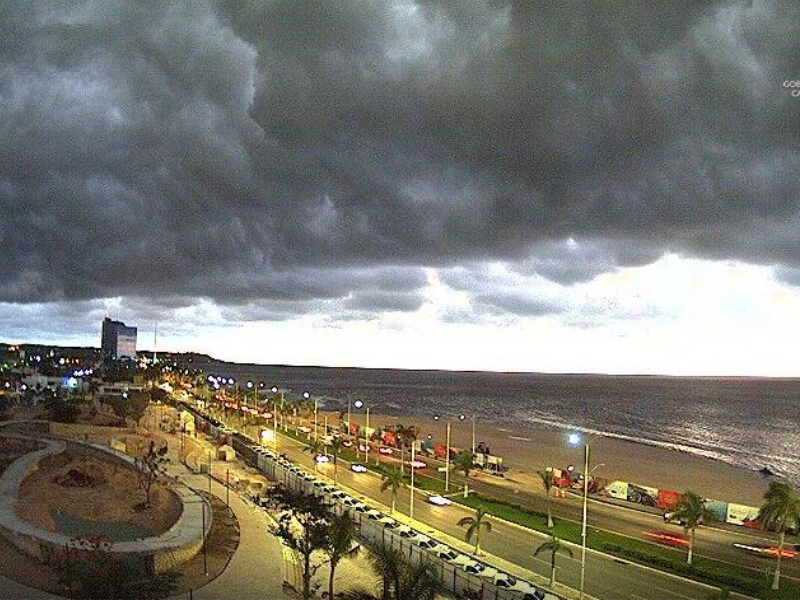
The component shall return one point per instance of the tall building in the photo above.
(117, 340)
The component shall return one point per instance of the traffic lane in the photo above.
(710, 542)
(611, 579)
(605, 577)
(512, 547)
(369, 484)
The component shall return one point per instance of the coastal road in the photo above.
(712, 542)
(606, 577)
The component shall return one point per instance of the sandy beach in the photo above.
(528, 449)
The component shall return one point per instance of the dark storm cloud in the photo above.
(282, 157)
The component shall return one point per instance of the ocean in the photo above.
(747, 422)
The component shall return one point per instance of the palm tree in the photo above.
(404, 435)
(315, 447)
(691, 511)
(780, 511)
(336, 447)
(474, 526)
(392, 479)
(464, 462)
(547, 482)
(399, 579)
(342, 533)
(553, 546)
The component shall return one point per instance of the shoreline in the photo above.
(527, 448)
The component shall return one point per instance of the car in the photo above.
(418, 464)
(536, 594)
(426, 544)
(439, 500)
(423, 541)
(321, 458)
(373, 514)
(388, 522)
(444, 552)
(404, 531)
(361, 508)
(329, 489)
(358, 468)
(473, 568)
(320, 485)
(670, 538)
(350, 501)
(338, 495)
(769, 551)
(386, 450)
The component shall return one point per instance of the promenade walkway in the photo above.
(261, 563)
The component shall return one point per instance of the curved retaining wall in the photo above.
(159, 553)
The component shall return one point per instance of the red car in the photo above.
(768, 551)
(670, 538)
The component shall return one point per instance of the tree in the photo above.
(342, 535)
(303, 526)
(780, 511)
(336, 447)
(400, 580)
(392, 479)
(464, 462)
(314, 448)
(474, 526)
(553, 546)
(150, 467)
(404, 435)
(690, 511)
(137, 405)
(60, 409)
(547, 482)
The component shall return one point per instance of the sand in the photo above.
(528, 449)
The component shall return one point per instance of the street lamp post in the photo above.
(359, 404)
(349, 418)
(461, 418)
(575, 439)
(411, 500)
(446, 457)
(283, 418)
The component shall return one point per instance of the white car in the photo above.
(358, 468)
(405, 531)
(473, 568)
(423, 541)
(439, 500)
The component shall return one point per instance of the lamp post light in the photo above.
(575, 440)
(306, 396)
(446, 458)
(359, 404)
(275, 390)
(411, 500)
(349, 418)
(462, 417)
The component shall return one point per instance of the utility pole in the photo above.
(446, 462)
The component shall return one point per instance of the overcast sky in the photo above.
(531, 186)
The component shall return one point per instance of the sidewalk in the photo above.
(261, 563)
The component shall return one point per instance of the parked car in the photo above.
(473, 568)
(423, 541)
(358, 468)
(404, 531)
